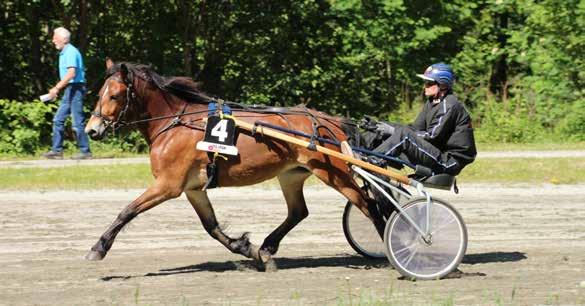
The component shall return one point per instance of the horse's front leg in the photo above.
(153, 196)
(291, 183)
(202, 206)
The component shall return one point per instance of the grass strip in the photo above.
(546, 146)
(526, 170)
(76, 177)
(498, 170)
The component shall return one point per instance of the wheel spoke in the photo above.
(408, 247)
(410, 257)
(443, 226)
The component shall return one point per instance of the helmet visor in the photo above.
(426, 78)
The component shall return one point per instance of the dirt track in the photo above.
(526, 246)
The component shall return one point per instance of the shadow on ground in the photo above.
(283, 263)
(348, 261)
(482, 258)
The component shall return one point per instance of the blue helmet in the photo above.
(440, 73)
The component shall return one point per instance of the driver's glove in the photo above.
(384, 128)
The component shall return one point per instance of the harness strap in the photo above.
(312, 146)
(174, 123)
(212, 172)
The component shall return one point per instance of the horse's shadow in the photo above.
(481, 258)
(283, 263)
(348, 261)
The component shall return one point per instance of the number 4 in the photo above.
(220, 130)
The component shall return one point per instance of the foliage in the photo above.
(573, 125)
(123, 142)
(520, 59)
(27, 128)
(347, 57)
(501, 126)
(23, 125)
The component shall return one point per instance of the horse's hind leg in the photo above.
(291, 183)
(343, 182)
(202, 206)
(150, 198)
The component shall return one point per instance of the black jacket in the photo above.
(447, 125)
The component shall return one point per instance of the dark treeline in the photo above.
(520, 63)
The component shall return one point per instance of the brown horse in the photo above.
(169, 112)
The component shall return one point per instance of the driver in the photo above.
(441, 137)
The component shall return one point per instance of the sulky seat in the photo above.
(429, 179)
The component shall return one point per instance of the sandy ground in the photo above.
(526, 246)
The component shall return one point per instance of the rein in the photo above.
(131, 98)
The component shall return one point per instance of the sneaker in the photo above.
(53, 155)
(82, 156)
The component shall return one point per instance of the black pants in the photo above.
(405, 143)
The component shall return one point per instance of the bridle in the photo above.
(120, 121)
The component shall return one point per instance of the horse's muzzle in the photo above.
(96, 131)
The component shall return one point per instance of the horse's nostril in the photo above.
(93, 134)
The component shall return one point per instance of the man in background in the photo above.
(72, 82)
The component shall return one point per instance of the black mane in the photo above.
(181, 87)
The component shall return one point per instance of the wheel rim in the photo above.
(413, 255)
(363, 234)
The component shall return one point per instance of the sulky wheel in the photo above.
(361, 233)
(431, 257)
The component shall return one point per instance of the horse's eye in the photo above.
(114, 97)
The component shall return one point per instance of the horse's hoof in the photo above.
(94, 256)
(270, 266)
(266, 261)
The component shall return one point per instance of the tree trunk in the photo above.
(34, 58)
(187, 35)
(390, 82)
(83, 30)
(500, 72)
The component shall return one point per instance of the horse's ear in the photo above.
(124, 71)
(109, 63)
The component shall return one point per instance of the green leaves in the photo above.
(351, 57)
(24, 125)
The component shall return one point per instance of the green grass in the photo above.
(501, 170)
(526, 170)
(76, 177)
(548, 146)
(67, 154)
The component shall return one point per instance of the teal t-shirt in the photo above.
(70, 57)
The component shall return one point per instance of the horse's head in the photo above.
(114, 101)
